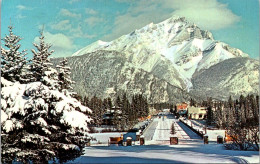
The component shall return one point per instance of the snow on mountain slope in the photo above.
(234, 77)
(175, 42)
(109, 73)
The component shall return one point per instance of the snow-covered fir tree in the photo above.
(12, 59)
(40, 123)
(40, 62)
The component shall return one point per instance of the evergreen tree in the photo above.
(242, 109)
(94, 107)
(193, 102)
(101, 111)
(218, 116)
(110, 105)
(40, 124)
(117, 113)
(134, 108)
(118, 102)
(40, 62)
(86, 101)
(209, 112)
(125, 112)
(242, 122)
(173, 131)
(13, 61)
(65, 81)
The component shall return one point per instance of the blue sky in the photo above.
(72, 24)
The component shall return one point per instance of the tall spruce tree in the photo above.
(210, 118)
(117, 113)
(13, 61)
(125, 112)
(40, 62)
(94, 106)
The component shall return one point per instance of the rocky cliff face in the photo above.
(164, 61)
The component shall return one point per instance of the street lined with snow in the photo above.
(162, 131)
(157, 148)
(159, 131)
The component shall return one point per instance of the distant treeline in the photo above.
(239, 117)
(123, 113)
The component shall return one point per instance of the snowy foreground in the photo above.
(158, 150)
(182, 153)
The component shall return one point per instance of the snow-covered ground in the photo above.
(212, 133)
(183, 153)
(162, 131)
(158, 150)
(196, 125)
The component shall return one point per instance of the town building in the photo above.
(197, 112)
(181, 108)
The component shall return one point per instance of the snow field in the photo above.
(196, 125)
(212, 134)
(185, 153)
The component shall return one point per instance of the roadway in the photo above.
(160, 128)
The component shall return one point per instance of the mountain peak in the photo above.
(175, 18)
(173, 54)
(175, 41)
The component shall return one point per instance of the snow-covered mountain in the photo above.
(234, 77)
(175, 51)
(175, 42)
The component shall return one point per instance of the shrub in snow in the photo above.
(173, 131)
(245, 146)
(40, 124)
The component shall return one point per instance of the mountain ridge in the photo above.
(175, 51)
(174, 39)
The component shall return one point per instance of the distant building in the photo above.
(197, 112)
(182, 108)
